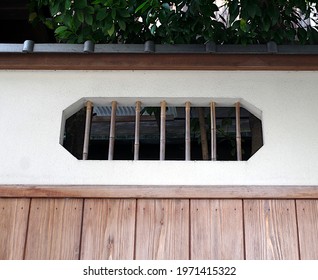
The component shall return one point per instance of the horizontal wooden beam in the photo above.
(143, 118)
(126, 61)
(132, 191)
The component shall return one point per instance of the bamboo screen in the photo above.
(164, 132)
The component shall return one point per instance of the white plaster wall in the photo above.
(31, 114)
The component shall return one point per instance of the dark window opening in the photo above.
(251, 138)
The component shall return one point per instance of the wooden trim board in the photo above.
(121, 61)
(134, 191)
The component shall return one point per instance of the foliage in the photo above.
(282, 21)
(180, 21)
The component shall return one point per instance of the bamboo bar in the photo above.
(238, 132)
(89, 106)
(187, 132)
(213, 131)
(204, 139)
(112, 131)
(163, 130)
(137, 130)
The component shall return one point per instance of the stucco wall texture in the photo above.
(31, 117)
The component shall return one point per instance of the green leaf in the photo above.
(143, 6)
(75, 25)
(153, 29)
(67, 19)
(124, 13)
(108, 3)
(151, 16)
(55, 9)
(65, 35)
(266, 24)
(234, 15)
(80, 4)
(251, 9)
(273, 14)
(33, 16)
(67, 4)
(80, 15)
(243, 25)
(113, 13)
(122, 25)
(90, 10)
(61, 29)
(89, 19)
(101, 14)
(49, 24)
(80, 39)
(250, 21)
(111, 31)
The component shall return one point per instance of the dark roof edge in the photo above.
(149, 47)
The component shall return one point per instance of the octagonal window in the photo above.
(103, 129)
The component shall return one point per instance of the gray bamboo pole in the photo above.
(213, 131)
(89, 106)
(163, 130)
(238, 132)
(187, 132)
(112, 131)
(137, 129)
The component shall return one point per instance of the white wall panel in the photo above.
(31, 114)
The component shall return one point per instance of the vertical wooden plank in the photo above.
(108, 229)
(163, 105)
(54, 229)
(187, 132)
(112, 131)
(13, 226)
(216, 229)
(137, 130)
(307, 216)
(162, 229)
(88, 121)
(238, 131)
(270, 229)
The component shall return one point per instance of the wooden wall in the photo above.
(109, 228)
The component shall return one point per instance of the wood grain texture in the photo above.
(154, 191)
(270, 230)
(54, 229)
(162, 229)
(307, 216)
(120, 61)
(165, 229)
(108, 229)
(217, 229)
(13, 227)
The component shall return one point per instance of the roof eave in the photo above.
(149, 56)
